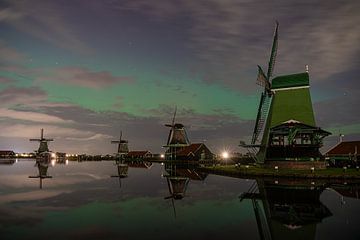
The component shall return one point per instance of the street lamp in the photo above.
(225, 156)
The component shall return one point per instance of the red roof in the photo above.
(192, 148)
(137, 153)
(344, 148)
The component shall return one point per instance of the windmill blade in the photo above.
(273, 52)
(173, 120)
(262, 80)
(34, 140)
(169, 136)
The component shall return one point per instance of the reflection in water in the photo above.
(7, 161)
(122, 170)
(83, 201)
(178, 178)
(289, 211)
(42, 164)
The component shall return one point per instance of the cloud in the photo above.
(229, 38)
(97, 136)
(21, 95)
(30, 116)
(9, 54)
(83, 77)
(41, 21)
(5, 80)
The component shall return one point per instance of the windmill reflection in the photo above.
(122, 170)
(42, 165)
(290, 210)
(178, 178)
(122, 150)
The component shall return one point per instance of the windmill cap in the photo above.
(292, 80)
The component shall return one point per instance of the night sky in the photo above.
(84, 70)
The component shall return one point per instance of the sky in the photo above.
(84, 70)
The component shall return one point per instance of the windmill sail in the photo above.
(265, 100)
(273, 53)
(262, 79)
(261, 117)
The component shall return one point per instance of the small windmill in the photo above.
(177, 138)
(43, 147)
(123, 148)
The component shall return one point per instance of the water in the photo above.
(83, 201)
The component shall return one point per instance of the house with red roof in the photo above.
(139, 155)
(344, 153)
(194, 152)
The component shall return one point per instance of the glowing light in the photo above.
(53, 162)
(225, 155)
(162, 156)
(53, 155)
(66, 162)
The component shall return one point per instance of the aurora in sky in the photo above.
(84, 70)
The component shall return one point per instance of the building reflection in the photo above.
(178, 178)
(122, 170)
(287, 210)
(42, 165)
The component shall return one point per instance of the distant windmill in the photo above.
(123, 148)
(43, 147)
(177, 137)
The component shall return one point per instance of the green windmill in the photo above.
(285, 127)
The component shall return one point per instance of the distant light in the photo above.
(53, 155)
(225, 155)
(53, 162)
(162, 156)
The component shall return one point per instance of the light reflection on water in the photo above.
(83, 200)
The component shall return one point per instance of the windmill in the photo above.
(43, 147)
(285, 128)
(123, 148)
(177, 138)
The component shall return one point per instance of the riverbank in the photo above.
(250, 171)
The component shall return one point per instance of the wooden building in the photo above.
(139, 155)
(344, 154)
(194, 152)
(6, 154)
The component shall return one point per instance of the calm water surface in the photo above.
(83, 201)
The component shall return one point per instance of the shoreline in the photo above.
(252, 172)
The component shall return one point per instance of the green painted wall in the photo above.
(292, 104)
